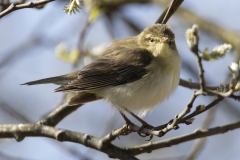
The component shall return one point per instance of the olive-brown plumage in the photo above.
(135, 73)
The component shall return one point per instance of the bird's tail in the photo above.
(59, 80)
(55, 80)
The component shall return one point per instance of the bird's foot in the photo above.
(124, 130)
(145, 125)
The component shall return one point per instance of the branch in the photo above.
(192, 40)
(172, 124)
(178, 117)
(192, 85)
(36, 130)
(184, 138)
(201, 71)
(15, 114)
(58, 114)
(106, 140)
(14, 7)
(169, 11)
(195, 113)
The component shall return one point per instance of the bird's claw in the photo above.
(145, 125)
(124, 130)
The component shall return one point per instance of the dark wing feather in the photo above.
(121, 66)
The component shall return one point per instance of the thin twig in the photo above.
(193, 114)
(136, 150)
(201, 72)
(178, 117)
(163, 129)
(197, 112)
(194, 48)
(106, 140)
(222, 94)
(164, 21)
(58, 114)
(14, 7)
(193, 85)
(169, 11)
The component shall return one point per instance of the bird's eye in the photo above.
(151, 40)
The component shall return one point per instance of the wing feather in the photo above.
(122, 66)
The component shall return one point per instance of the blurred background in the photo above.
(36, 43)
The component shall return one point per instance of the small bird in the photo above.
(134, 74)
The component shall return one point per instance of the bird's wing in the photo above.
(121, 66)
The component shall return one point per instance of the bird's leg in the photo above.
(144, 124)
(125, 130)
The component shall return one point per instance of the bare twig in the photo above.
(30, 130)
(106, 140)
(14, 7)
(5, 4)
(192, 85)
(197, 112)
(58, 114)
(222, 94)
(163, 129)
(36, 130)
(201, 72)
(184, 138)
(24, 119)
(193, 46)
(169, 11)
(176, 120)
(193, 114)
(165, 19)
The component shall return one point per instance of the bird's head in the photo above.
(158, 39)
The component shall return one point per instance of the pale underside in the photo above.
(144, 94)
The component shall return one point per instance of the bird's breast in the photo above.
(145, 93)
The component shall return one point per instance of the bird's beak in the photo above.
(164, 40)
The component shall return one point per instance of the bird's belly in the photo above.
(144, 94)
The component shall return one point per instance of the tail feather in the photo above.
(59, 80)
